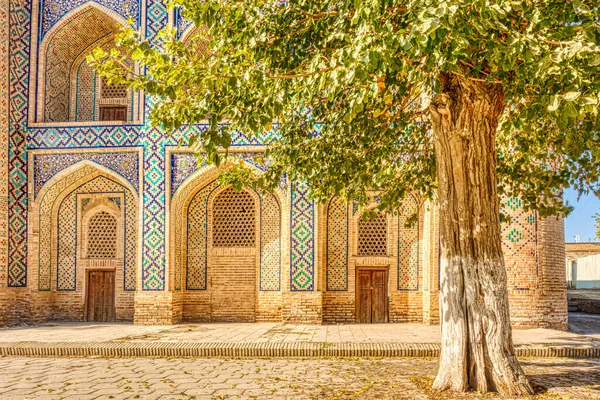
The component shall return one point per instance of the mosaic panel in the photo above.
(337, 245)
(4, 94)
(65, 46)
(302, 239)
(20, 18)
(519, 244)
(54, 10)
(234, 219)
(105, 136)
(85, 97)
(184, 164)
(46, 166)
(67, 244)
(196, 241)
(408, 248)
(181, 23)
(372, 236)
(270, 243)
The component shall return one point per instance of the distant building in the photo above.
(583, 265)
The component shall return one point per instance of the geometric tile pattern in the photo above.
(234, 219)
(408, 247)
(337, 245)
(184, 164)
(54, 10)
(372, 236)
(46, 166)
(270, 243)
(4, 95)
(519, 244)
(20, 21)
(85, 93)
(302, 239)
(66, 267)
(196, 243)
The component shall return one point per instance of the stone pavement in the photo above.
(262, 333)
(265, 340)
(87, 379)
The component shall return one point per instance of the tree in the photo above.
(597, 217)
(470, 99)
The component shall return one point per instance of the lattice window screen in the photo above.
(113, 91)
(234, 219)
(372, 236)
(102, 236)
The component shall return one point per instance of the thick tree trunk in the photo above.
(477, 346)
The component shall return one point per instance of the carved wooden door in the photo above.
(101, 296)
(371, 296)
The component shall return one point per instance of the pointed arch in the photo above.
(59, 49)
(206, 179)
(45, 210)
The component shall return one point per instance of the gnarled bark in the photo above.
(477, 346)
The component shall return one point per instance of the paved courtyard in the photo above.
(267, 333)
(42, 379)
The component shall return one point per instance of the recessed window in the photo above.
(69, 89)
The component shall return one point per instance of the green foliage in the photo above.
(597, 216)
(362, 73)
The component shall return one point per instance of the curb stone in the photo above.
(262, 350)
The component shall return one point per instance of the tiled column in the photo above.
(154, 303)
(302, 301)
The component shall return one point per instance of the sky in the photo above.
(580, 221)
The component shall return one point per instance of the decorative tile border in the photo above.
(302, 254)
(45, 166)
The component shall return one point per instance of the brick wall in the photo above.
(302, 307)
(157, 308)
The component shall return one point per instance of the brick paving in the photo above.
(184, 379)
(264, 333)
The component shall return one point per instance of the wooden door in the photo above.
(113, 114)
(371, 296)
(101, 296)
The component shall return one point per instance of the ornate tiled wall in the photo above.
(4, 95)
(270, 243)
(337, 245)
(302, 259)
(519, 243)
(408, 247)
(41, 35)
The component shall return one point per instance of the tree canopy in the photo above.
(362, 73)
(470, 99)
